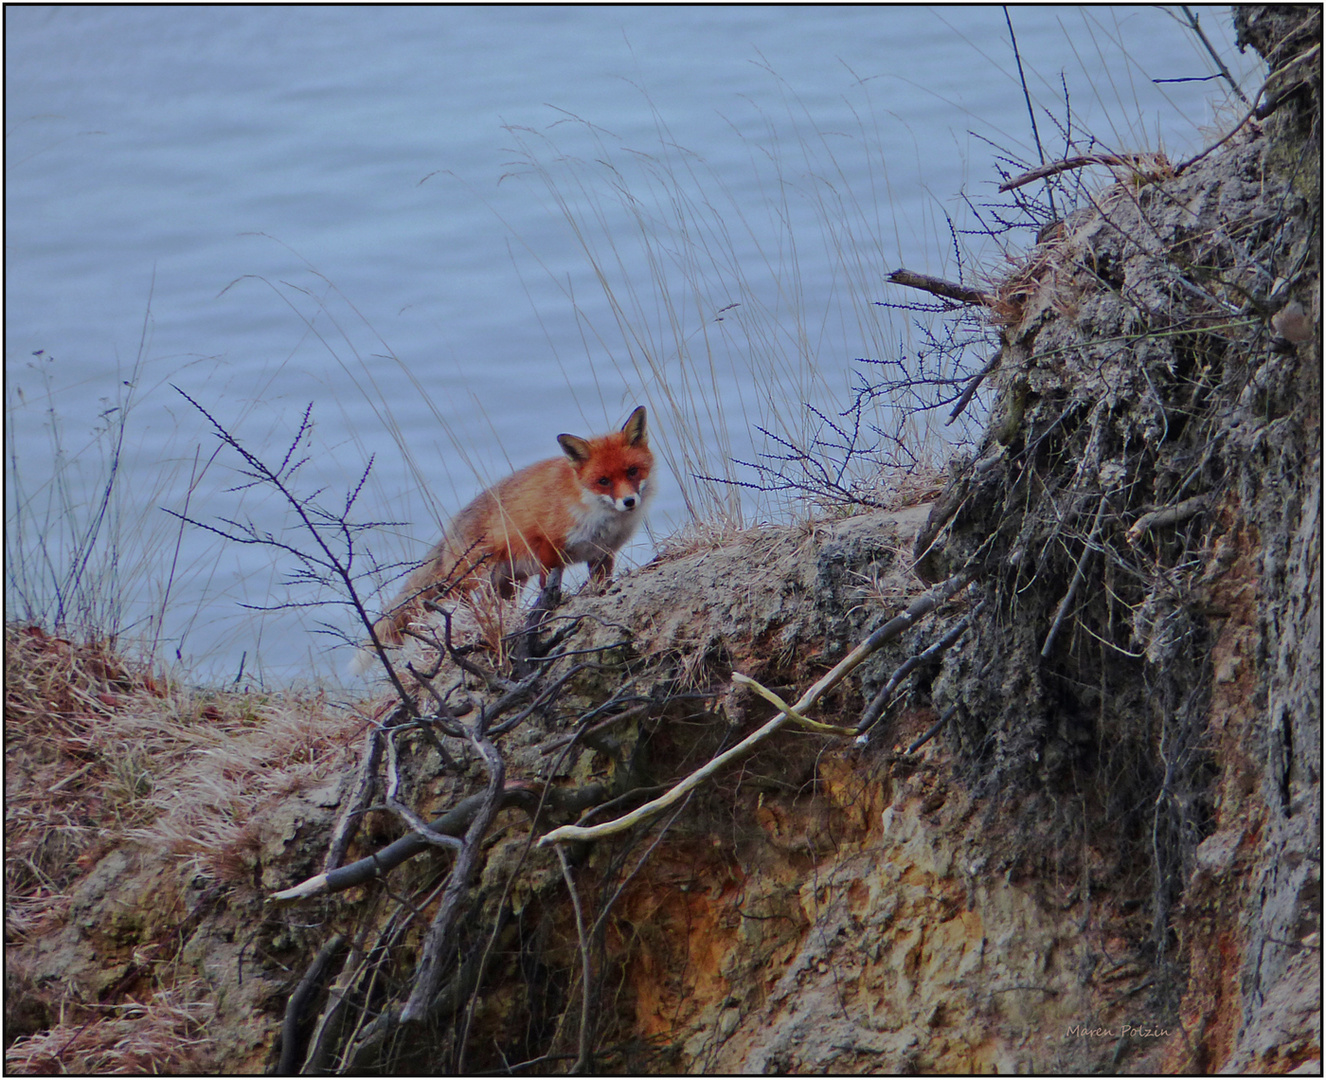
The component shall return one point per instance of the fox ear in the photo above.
(635, 426)
(574, 447)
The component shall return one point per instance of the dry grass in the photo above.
(103, 755)
(697, 536)
(166, 1035)
(100, 752)
(211, 811)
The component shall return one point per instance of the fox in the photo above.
(581, 507)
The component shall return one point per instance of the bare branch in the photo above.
(876, 707)
(939, 287)
(1131, 161)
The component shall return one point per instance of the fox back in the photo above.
(581, 507)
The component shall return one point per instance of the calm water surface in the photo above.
(457, 232)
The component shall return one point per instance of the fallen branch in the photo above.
(922, 606)
(939, 287)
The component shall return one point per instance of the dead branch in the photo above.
(428, 972)
(413, 820)
(779, 703)
(1257, 112)
(973, 384)
(939, 287)
(933, 730)
(876, 707)
(585, 732)
(1054, 168)
(1169, 515)
(1194, 24)
(944, 508)
(922, 606)
(353, 810)
(454, 822)
(295, 1006)
(527, 645)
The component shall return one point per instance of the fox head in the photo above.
(614, 467)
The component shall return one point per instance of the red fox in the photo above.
(582, 507)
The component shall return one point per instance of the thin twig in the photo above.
(1078, 575)
(973, 384)
(1026, 94)
(1259, 112)
(1130, 161)
(586, 1016)
(1196, 28)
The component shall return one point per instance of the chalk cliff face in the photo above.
(1107, 856)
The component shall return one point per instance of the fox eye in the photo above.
(633, 471)
(604, 481)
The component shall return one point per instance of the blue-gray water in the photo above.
(460, 231)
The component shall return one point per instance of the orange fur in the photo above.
(581, 507)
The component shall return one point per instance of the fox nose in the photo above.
(629, 501)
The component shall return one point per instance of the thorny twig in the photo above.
(322, 565)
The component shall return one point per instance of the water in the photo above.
(366, 209)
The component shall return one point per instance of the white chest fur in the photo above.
(601, 527)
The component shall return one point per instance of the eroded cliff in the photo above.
(1085, 833)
